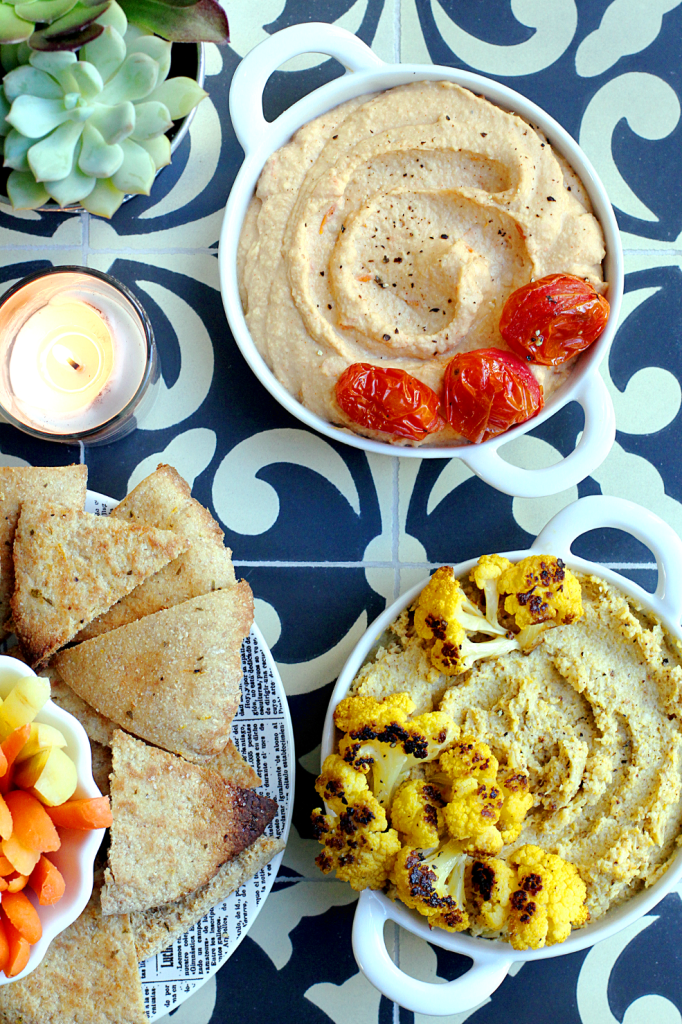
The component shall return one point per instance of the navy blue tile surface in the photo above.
(327, 535)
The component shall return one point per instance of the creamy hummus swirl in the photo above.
(392, 230)
(593, 714)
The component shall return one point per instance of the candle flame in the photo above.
(62, 353)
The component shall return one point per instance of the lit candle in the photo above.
(77, 356)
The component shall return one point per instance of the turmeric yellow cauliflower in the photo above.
(432, 883)
(491, 884)
(485, 575)
(381, 738)
(517, 801)
(445, 615)
(475, 802)
(417, 813)
(550, 898)
(541, 593)
(356, 841)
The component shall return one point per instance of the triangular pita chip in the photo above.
(32, 485)
(155, 929)
(89, 974)
(71, 566)
(175, 823)
(164, 500)
(172, 678)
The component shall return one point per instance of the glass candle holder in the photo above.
(78, 360)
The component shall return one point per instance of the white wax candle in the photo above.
(73, 353)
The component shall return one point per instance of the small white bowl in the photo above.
(75, 857)
(260, 138)
(492, 959)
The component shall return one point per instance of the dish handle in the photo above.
(248, 83)
(594, 446)
(604, 510)
(369, 946)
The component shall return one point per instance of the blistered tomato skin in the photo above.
(551, 320)
(488, 391)
(388, 399)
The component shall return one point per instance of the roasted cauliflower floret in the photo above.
(485, 575)
(517, 801)
(491, 883)
(433, 884)
(445, 615)
(388, 743)
(417, 813)
(355, 837)
(549, 899)
(469, 758)
(474, 800)
(540, 593)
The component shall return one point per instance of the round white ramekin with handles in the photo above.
(492, 959)
(260, 138)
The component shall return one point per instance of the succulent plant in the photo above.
(69, 24)
(90, 128)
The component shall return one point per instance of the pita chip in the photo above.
(70, 566)
(164, 500)
(89, 976)
(160, 802)
(155, 929)
(99, 728)
(32, 485)
(172, 678)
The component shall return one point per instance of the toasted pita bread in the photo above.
(70, 566)
(89, 976)
(99, 728)
(172, 678)
(155, 929)
(160, 802)
(101, 766)
(163, 499)
(63, 485)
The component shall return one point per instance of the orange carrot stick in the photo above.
(21, 859)
(23, 915)
(4, 946)
(47, 882)
(82, 813)
(5, 867)
(10, 748)
(18, 949)
(33, 826)
(6, 821)
(3, 768)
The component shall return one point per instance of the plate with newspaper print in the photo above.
(262, 733)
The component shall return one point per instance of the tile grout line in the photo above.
(396, 564)
(395, 530)
(397, 29)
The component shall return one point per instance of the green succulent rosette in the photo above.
(90, 127)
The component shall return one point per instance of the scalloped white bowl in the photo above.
(367, 73)
(76, 856)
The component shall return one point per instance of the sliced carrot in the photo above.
(23, 915)
(14, 743)
(18, 949)
(16, 882)
(82, 814)
(32, 825)
(5, 867)
(4, 884)
(21, 859)
(47, 882)
(6, 820)
(7, 780)
(3, 768)
(4, 946)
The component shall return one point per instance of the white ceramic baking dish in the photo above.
(492, 959)
(368, 73)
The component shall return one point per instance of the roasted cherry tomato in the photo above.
(488, 391)
(550, 320)
(388, 399)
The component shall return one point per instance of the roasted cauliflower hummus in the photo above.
(391, 231)
(592, 714)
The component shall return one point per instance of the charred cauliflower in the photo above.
(475, 802)
(540, 593)
(548, 900)
(380, 737)
(485, 575)
(417, 813)
(491, 883)
(445, 615)
(432, 883)
(357, 843)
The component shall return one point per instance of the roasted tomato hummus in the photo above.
(391, 231)
(592, 715)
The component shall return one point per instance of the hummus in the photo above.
(392, 230)
(593, 715)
